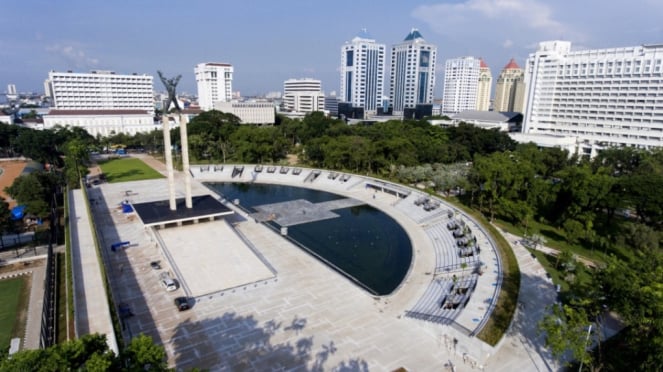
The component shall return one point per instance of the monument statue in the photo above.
(170, 85)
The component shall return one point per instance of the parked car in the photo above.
(182, 303)
(156, 265)
(167, 282)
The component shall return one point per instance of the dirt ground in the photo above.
(10, 170)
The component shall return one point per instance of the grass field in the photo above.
(11, 292)
(127, 169)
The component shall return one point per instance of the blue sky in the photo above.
(269, 41)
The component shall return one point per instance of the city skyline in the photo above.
(270, 42)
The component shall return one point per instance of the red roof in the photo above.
(511, 65)
(483, 63)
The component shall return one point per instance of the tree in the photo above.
(89, 353)
(34, 190)
(568, 330)
(143, 355)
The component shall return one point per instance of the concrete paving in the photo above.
(91, 303)
(308, 317)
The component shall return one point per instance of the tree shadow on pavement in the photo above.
(537, 293)
(234, 342)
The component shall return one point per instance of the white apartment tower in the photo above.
(604, 97)
(215, 83)
(412, 75)
(303, 95)
(483, 86)
(461, 84)
(101, 90)
(362, 73)
(510, 88)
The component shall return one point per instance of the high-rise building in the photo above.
(303, 95)
(484, 85)
(604, 97)
(11, 92)
(510, 89)
(362, 73)
(215, 83)
(412, 75)
(461, 83)
(101, 90)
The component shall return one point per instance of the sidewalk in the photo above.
(516, 240)
(92, 314)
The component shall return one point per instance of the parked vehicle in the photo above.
(182, 303)
(167, 282)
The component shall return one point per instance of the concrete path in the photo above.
(92, 314)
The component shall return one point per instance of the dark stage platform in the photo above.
(159, 213)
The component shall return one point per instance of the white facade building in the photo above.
(461, 82)
(214, 82)
(303, 95)
(604, 97)
(249, 112)
(101, 90)
(362, 73)
(412, 76)
(103, 122)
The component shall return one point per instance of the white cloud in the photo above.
(73, 55)
(519, 22)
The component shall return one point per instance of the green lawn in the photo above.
(11, 291)
(127, 169)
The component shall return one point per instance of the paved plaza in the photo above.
(268, 305)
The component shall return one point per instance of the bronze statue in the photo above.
(170, 85)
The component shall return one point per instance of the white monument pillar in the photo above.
(169, 162)
(184, 138)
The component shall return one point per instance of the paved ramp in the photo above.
(300, 211)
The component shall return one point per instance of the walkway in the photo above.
(92, 314)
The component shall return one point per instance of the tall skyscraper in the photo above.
(461, 83)
(11, 92)
(510, 88)
(412, 73)
(303, 95)
(362, 73)
(604, 97)
(484, 85)
(101, 90)
(215, 83)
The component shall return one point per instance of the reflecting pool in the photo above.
(363, 243)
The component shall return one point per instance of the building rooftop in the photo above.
(96, 112)
(414, 34)
(483, 63)
(511, 65)
(476, 115)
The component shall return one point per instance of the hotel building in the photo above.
(510, 89)
(101, 102)
(412, 75)
(484, 86)
(303, 95)
(362, 73)
(101, 90)
(603, 97)
(214, 82)
(461, 84)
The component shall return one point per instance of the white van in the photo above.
(168, 283)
